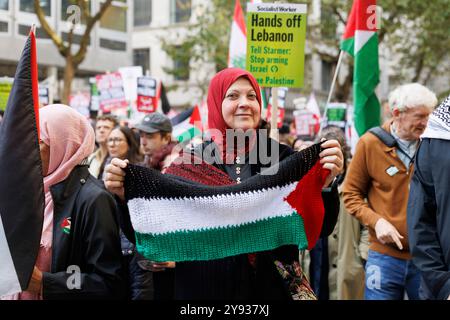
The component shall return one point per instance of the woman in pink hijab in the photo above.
(80, 255)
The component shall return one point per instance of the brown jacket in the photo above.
(387, 196)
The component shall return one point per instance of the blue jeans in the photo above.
(387, 278)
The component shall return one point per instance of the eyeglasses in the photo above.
(115, 140)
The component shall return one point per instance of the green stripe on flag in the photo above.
(348, 45)
(223, 242)
(366, 78)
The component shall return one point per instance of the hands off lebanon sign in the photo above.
(276, 36)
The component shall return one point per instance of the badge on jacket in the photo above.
(392, 170)
(65, 225)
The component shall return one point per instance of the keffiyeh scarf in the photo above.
(439, 122)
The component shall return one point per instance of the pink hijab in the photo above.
(71, 139)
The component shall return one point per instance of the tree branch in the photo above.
(79, 56)
(85, 9)
(51, 33)
(340, 17)
(70, 38)
(419, 67)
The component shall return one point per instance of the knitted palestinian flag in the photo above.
(176, 219)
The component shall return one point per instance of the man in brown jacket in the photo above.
(376, 192)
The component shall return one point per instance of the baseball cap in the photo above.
(155, 122)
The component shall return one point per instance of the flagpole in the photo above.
(336, 72)
(274, 115)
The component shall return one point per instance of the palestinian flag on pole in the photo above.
(360, 40)
(184, 129)
(175, 218)
(21, 183)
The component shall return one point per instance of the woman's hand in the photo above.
(332, 159)
(115, 176)
(161, 266)
(35, 285)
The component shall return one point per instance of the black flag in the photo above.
(165, 105)
(21, 181)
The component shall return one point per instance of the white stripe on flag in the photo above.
(181, 127)
(237, 47)
(9, 283)
(160, 216)
(361, 38)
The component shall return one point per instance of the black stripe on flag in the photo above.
(139, 180)
(21, 184)
(182, 116)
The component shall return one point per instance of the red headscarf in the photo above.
(216, 93)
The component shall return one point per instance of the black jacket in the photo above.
(428, 217)
(91, 244)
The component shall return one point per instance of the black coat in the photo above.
(428, 217)
(92, 244)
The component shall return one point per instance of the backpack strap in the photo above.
(384, 136)
(388, 140)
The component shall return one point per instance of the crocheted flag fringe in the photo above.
(180, 220)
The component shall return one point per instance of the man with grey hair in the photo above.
(376, 192)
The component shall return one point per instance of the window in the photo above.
(327, 69)
(115, 17)
(142, 12)
(4, 5)
(24, 30)
(141, 57)
(181, 10)
(76, 39)
(28, 6)
(3, 26)
(113, 45)
(66, 3)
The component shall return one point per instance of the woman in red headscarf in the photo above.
(234, 115)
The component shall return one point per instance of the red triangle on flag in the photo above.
(361, 17)
(196, 118)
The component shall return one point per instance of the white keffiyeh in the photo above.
(439, 122)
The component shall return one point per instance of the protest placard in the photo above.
(276, 35)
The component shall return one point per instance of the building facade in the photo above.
(109, 47)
